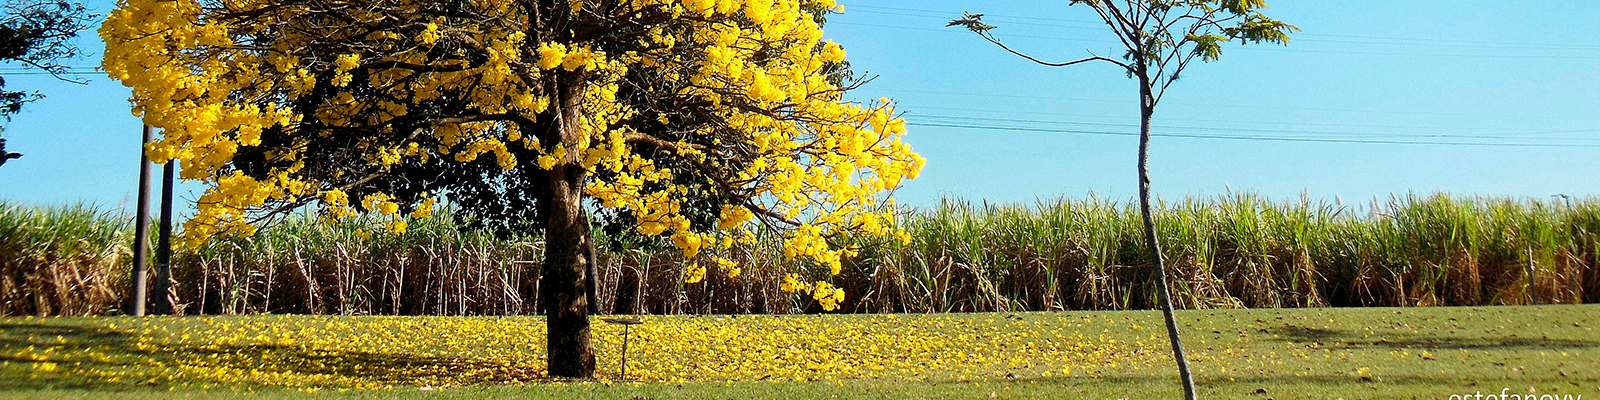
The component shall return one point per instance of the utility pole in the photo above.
(163, 283)
(141, 222)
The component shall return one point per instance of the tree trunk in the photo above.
(564, 293)
(1146, 109)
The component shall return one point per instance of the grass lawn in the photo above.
(1423, 353)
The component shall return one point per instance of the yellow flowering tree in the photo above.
(656, 110)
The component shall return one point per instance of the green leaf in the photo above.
(973, 22)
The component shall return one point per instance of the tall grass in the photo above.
(436, 268)
(61, 260)
(1237, 250)
(1243, 251)
(303, 266)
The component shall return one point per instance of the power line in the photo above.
(11, 65)
(1085, 21)
(962, 31)
(968, 94)
(1244, 137)
(1370, 53)
(1256, 122)
(1255, 130)
(1492, 43)
(1251, 48)
(1100, 25)
(67, 70)
(47, 73)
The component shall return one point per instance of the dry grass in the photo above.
(1071, 254)
(60, 260)
(1243, 251)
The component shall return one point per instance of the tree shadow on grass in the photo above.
(62, 356)
(1350, 339)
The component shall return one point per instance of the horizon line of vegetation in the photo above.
(1233, 250)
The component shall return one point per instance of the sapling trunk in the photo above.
(1146, 109)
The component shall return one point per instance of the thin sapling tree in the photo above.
(1160, 38)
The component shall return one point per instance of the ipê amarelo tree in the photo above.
(638, 105)
(1158, 39)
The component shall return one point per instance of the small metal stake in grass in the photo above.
(626, 323)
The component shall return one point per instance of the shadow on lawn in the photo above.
(90, 357)
(1351, 339)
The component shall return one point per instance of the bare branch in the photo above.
(991, 39)
(636, 137)
(769, 214)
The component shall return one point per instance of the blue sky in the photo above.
(1487, 72)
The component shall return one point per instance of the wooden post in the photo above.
(1533, 287)
(163, 283)
(141, 221)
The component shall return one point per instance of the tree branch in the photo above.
(997, 42)
(750, 205)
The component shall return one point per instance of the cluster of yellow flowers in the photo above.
(201, 125)
(827, 295)
(694, 274)
(824, 293)
(729, 267)
(825, 175)
(375, 352)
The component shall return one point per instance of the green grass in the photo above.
(1423, 353)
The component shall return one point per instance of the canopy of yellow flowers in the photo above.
(738, 89)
